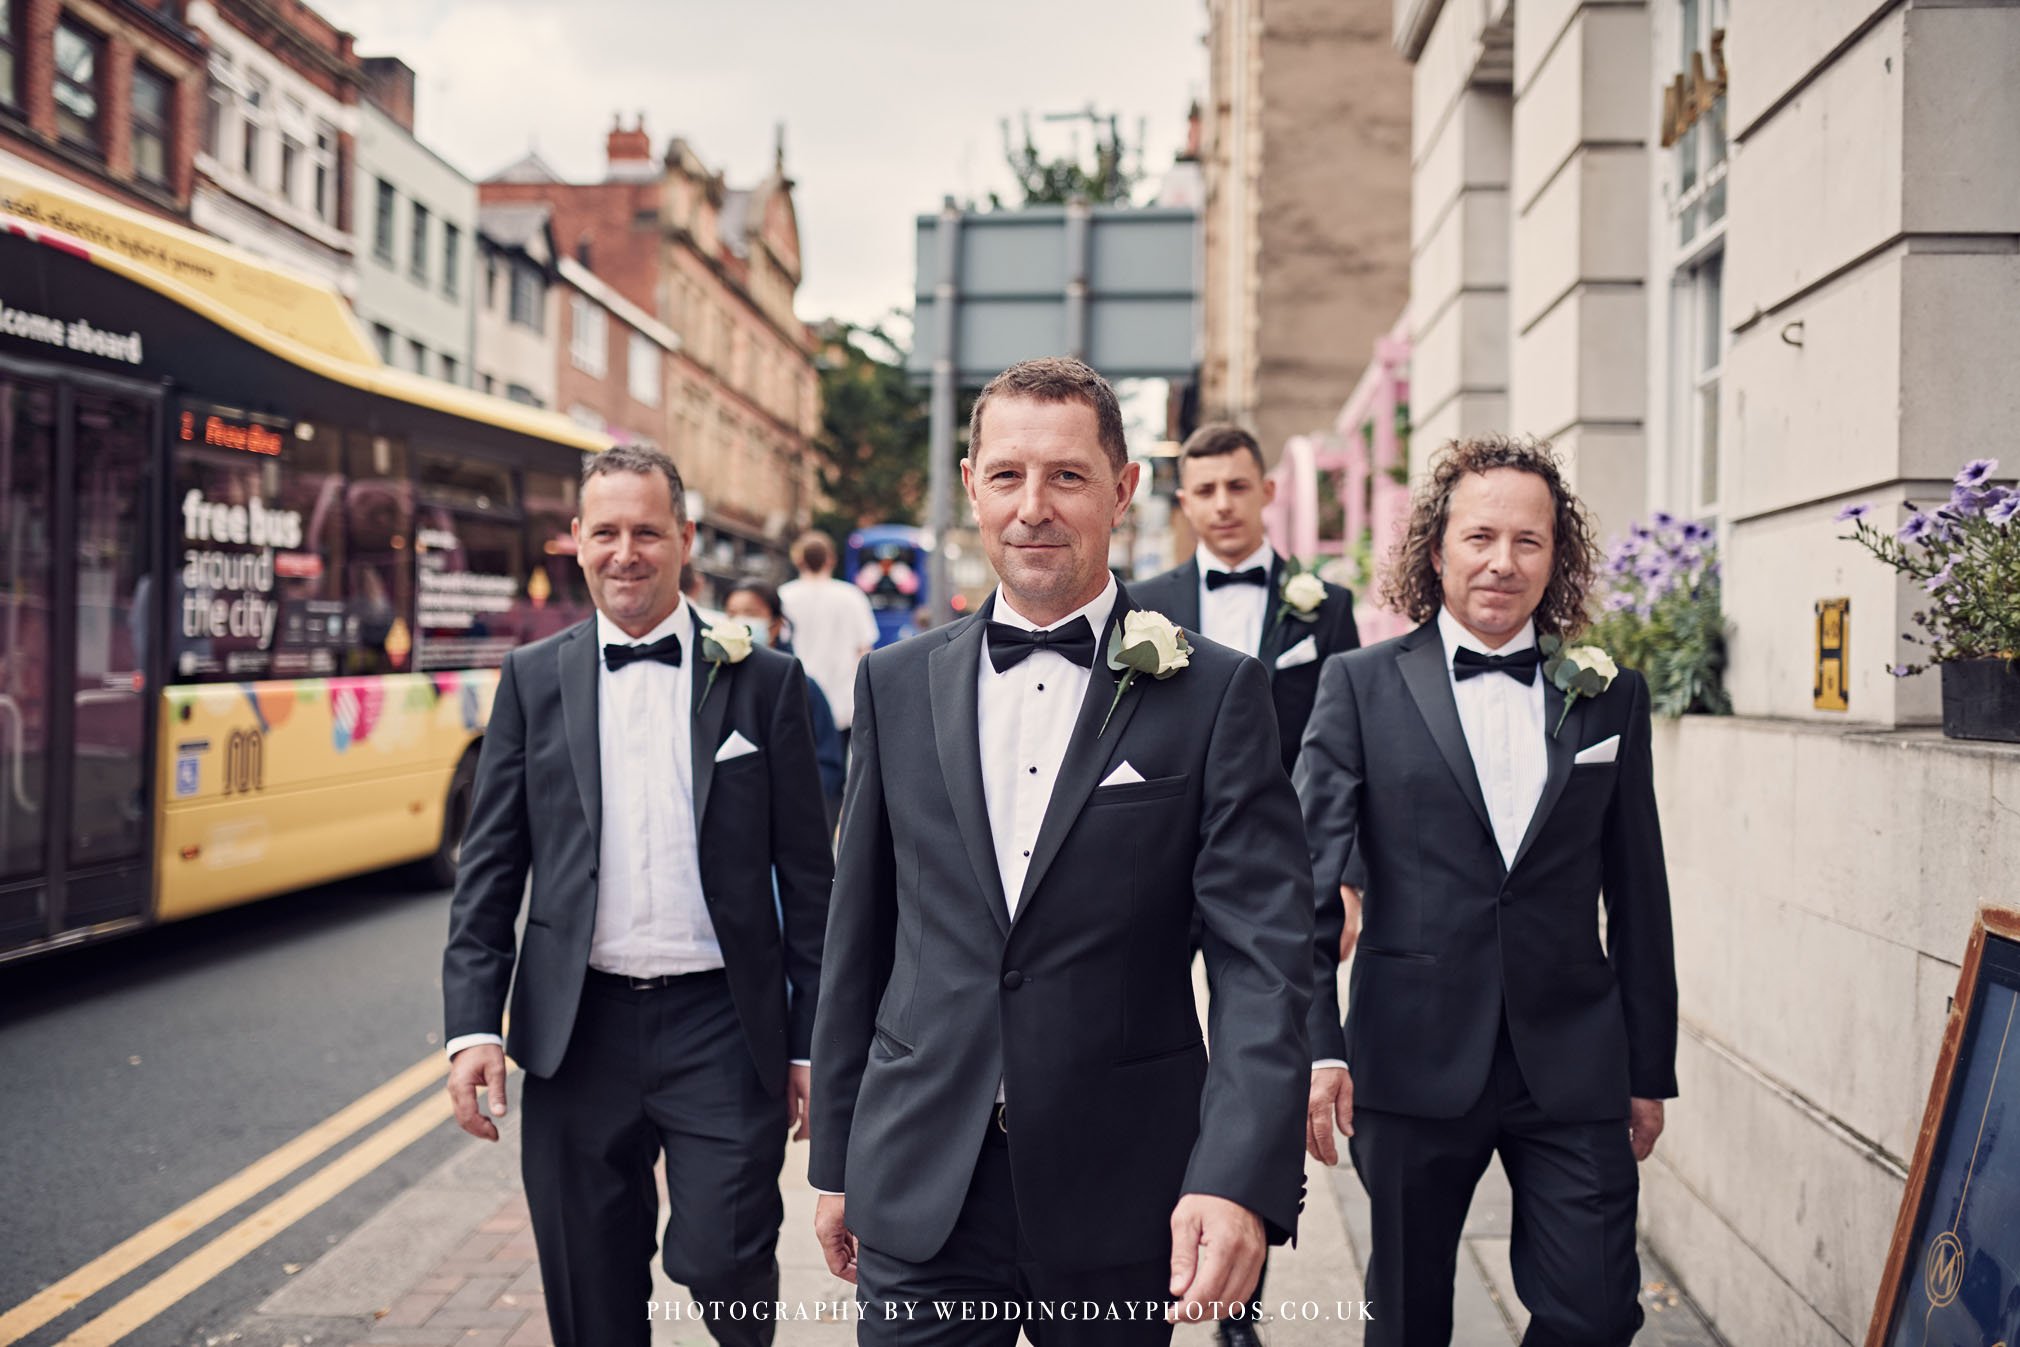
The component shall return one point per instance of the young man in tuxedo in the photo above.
(1236, 590)
(1484, 820)
(1012, 1100)
(1233, 590)
(651, 782)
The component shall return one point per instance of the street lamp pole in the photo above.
(940, 448)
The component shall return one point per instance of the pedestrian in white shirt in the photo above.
(833, 625)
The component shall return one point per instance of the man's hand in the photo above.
(831, 1228)
(479, 1067)
(1331, 1105)
(799, 1094)
(1217, 1250)
(1644, 1125)
(1350, 934)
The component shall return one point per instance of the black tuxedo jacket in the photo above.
(1083, 1006)
(1451, 935)
(1176, 595)
(539, 810)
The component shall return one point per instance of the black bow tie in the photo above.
(1010, 646)
(1254, 575)
(666, 651)
(1520, 666)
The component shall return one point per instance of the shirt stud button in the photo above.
(1034, 771)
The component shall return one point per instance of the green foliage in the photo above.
(1054, 182)
(874, 424)
(1661, 612)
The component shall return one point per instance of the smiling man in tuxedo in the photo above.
(652, 780)
(1012, 1102)
(1237, 590)
(1484, 820)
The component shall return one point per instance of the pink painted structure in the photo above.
(1367, 464)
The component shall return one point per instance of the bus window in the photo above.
(27, 505)
(309, 578)
(463, 483)
(379, 575)
(472, 575)
(557, 597)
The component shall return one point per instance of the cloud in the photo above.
(887, 104)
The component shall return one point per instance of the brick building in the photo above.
(274, 165)
(719, 267)
(108, 95)
(615, 361)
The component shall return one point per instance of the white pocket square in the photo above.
(1304, 652)
(736, 746)
(1606, 750)
(1122, 776)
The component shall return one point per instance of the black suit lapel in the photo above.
(1086, 753)
(1562, 748)
(579, 659)
(1280, 630)
(951, 679)
(1422, 663)
(1185, 601)
(706, 735)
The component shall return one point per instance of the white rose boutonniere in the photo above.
(727, 642)
(1144, 642)
(1576, 671)
(1302, 593)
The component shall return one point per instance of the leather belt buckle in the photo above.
(648, 984)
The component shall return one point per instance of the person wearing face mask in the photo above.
(757, 607)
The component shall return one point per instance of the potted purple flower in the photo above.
(1965, 556)
(1660, 611)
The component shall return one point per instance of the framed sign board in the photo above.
(1953, 1271)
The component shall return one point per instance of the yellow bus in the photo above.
(254, 586)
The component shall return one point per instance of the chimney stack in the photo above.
(629, 153)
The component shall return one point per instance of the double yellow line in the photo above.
(206, 1262)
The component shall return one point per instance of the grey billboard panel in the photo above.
(1141, 269)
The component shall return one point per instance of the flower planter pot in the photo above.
(1981, 700)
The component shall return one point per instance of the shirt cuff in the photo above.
(1325, 1062)
(462, 1041)
(800, 1061)
(825, 1193)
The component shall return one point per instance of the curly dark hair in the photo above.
(1410, 583)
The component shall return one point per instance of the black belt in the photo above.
(603, 979)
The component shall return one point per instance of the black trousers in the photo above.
(1572, 1250)
(986, 1284)
(663, 1070)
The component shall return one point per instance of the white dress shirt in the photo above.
(1505, 729)
(1234, 615)
(650, 917)
(833, 624)
(1025, 717)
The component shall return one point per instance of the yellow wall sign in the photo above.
(1834, 626)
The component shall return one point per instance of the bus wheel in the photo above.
(440, 868)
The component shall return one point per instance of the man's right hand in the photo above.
(1331, 1105)
(481, 1066)
(831, 1228)
(1350, 933)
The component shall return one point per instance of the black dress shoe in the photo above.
(1238, 1333)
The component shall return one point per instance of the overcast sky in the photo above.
(887, 104)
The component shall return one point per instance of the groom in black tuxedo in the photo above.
(1444, 780)
(1012, 1102)
(652, 783)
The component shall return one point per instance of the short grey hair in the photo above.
(639, 458)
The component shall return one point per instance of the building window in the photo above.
(79, 54)
(451, 373)
(417, 356)
(10, 55)
(588, 342)
(382, 225)
(217, 105)
(153, 102)
(324, 202)
(520, 393)
(452, 259)
(529, 297)
(382, 337)
(417, 253)
(491, 281)
(1694, 190)
(255, 124)
(487, 383)
(643, 370)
